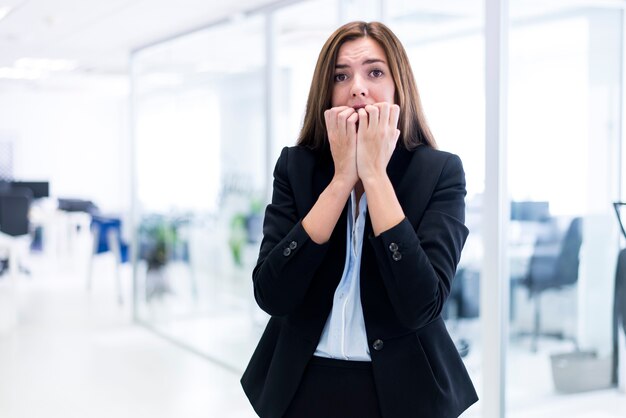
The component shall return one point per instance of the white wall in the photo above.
(73, 133)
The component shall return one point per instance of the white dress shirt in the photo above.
(344, 334)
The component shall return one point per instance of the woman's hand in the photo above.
(376, 139)
(320, 222)
(341, 127)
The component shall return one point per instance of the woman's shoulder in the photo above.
(425, 151)
(432, 157)
(301, 154)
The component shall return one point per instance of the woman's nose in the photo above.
(358, 88)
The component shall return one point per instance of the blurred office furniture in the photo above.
(537, 211)
(14, 223)
(530, 220)
(107, 237)
(164, 239)
(619, 314)
(77, 205)
(14, 207)
(464, 298)
(462, 303)
(619, 308)
(39, 189)
(553, 265)
(14, 241)
(8, 303)
(74, 219)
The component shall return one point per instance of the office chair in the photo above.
(462, 303)
(14, 207)
(619, 300)
(619, 311)
(107, 237)
(14, 223)
(552, 266)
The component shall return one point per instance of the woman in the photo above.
(361, 242)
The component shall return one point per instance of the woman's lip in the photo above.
(359, 106)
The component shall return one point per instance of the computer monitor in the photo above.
(530, 211)
(39, 188)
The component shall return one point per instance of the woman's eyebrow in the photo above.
(366, 62)
(373, 60)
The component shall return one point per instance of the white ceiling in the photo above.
(100, 34)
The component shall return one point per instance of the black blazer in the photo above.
(406, 275)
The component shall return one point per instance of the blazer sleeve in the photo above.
(288, 257)
(418, 265)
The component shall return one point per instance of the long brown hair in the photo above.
(412, 122)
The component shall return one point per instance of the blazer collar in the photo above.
(396, 169)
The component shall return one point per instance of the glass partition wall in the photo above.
(564, 134)
(445, 43)
(199, 105)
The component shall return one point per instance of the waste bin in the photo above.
(581, 371)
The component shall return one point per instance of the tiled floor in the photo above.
(78, 354)
(75, 354)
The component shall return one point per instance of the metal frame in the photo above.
(494, 283)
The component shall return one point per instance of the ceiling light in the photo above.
(4, 11)
(20, 73)
(44, 64)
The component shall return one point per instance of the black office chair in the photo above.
(462, 303)
(14, 207)
(619, 298)
(619, 311)
(553, 266)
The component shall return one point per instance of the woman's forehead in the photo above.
(360, 49)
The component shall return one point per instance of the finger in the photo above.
(351, 125)
(363, 122)
(331, 114)
(373, 113)
(328, 119)
(384, 109)
(342, 119)
(394, 116)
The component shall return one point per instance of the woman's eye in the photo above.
(340, 77)
(376, 73)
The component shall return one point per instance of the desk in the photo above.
(11, 247)
(63, 233)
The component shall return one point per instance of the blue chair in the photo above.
(107, 237)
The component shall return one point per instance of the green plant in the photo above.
(158, 237)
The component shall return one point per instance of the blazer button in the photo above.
(378, 345)
(393, 247)
(287, 252)
(396, 256)
(293, 245)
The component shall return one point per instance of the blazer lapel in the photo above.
(396, 170)
(322, 176)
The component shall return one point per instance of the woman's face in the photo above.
(362, 75)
